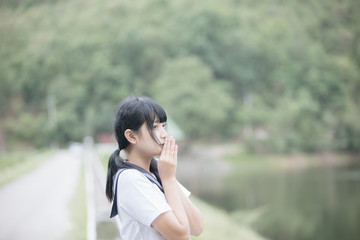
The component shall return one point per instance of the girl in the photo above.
(146, 196)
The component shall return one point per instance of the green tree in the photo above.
(191, 95)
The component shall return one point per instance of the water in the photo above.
(317, 203)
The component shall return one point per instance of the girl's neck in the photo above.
(139, 160)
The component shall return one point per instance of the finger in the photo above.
(175, 153)
(167, 147)
(162, 154)
(163, 151)
(172, 148)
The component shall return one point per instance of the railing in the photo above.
(99, 225)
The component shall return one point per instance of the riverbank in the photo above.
(294, 196)
(245, 162)
(218, 224)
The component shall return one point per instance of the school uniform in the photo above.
(139, 202)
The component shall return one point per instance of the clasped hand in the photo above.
(168, 159)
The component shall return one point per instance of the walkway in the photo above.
(35, 206)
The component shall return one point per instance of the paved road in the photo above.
(35, 206)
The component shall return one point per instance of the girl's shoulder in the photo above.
(130, 173)
(132, 177)
(136, 185)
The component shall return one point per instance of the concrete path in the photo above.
(35, 206)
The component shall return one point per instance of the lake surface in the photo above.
(316, 203)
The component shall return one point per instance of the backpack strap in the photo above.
(150, 177)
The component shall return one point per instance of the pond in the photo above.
(314, 203)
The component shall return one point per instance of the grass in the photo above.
(78, 210)
(249, 163)
(15, 164)
(220, 225)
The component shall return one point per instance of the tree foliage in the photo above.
(289, 70)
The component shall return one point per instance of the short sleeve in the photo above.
(140, 198)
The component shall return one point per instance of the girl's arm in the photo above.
(172, 224)
(193, 214)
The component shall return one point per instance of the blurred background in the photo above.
(263, 97)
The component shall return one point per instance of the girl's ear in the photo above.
(130, 136)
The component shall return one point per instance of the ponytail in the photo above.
(115, 163)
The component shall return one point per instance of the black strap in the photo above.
(114, 210)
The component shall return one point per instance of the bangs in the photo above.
(153, 111)
(160, 113)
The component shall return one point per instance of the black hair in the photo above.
(131, 113)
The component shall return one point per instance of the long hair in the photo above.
(131, 114)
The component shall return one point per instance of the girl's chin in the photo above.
(159, 151)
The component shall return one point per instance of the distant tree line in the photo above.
(281, 75)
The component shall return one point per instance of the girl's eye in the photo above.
(162, 125)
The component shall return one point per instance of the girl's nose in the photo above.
(163, 133)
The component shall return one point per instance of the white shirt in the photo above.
(139, 203)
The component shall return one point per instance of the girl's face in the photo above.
(146, 144)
